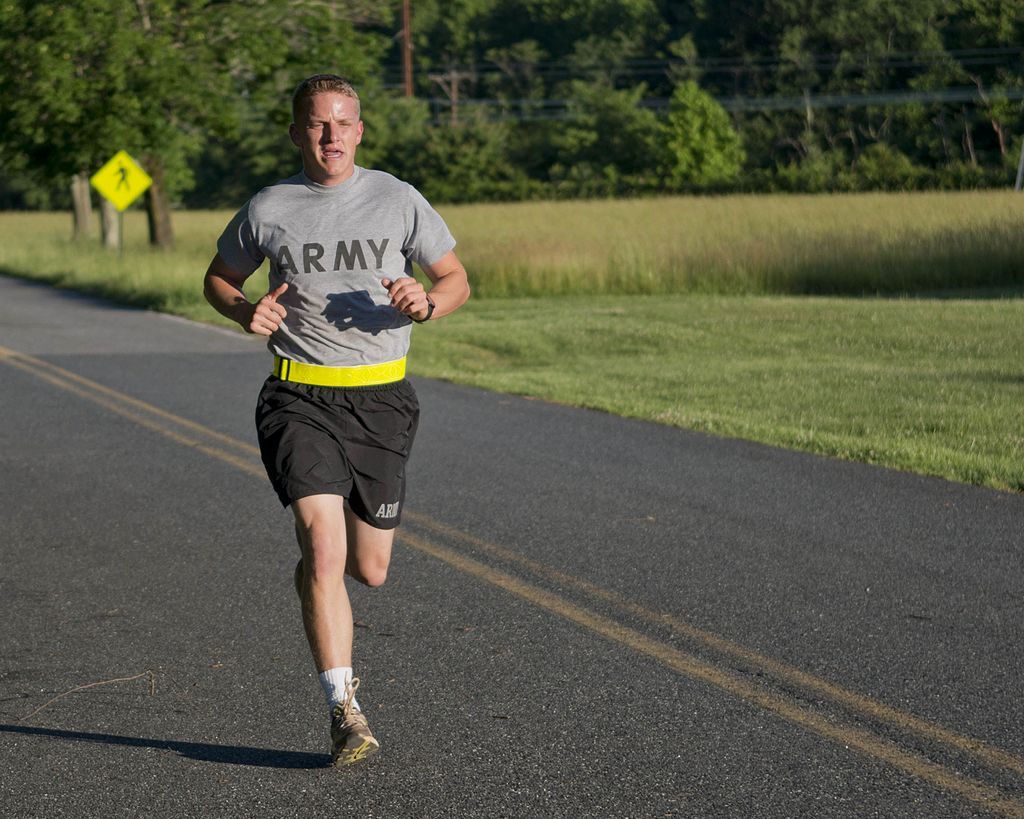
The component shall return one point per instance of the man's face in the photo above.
(327, 133)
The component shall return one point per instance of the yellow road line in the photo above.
(690, 666)
(37, 366)
(880, 711)
(31, 366)
(866, 742)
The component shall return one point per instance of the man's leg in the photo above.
(368, 552)
(326, 613)
(334, 541)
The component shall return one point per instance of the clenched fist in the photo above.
(407, 297)
(267, 314)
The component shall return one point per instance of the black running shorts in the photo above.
(348, 441)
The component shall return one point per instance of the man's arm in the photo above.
(449, 292)
(222, 287)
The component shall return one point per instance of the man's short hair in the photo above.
(321, 84)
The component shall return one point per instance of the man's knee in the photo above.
(369, 551)
(370, 572)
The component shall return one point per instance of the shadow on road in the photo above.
(202, 751)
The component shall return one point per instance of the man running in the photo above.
(336, 419)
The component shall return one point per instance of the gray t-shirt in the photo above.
(333, 245)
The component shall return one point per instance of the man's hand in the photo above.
(266, 315)
(407, 296)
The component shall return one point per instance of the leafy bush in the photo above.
(608, 137)
(819, 172)
(702, 148)
(882, 167)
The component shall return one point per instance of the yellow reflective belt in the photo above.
(362, 376)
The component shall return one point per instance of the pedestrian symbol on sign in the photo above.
(121, 180)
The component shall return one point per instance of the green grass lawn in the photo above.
(930, 385)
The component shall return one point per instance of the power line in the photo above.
(943, 95)
(561, 109)
(656, 66)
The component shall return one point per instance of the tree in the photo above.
(557, 26)
(607, 136)
(882, 167)
(703, 149)
(526, 94)
(273, 47)
(157, 78)
(89, 77)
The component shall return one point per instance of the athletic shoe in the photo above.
(351, 740)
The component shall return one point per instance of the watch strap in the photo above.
(430, 311)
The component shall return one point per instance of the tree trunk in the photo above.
(969, 140)
(997, 126)
(158, 208)
(940, 122)
(110, 225)
(81, 199)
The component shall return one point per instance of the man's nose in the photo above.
(331, 131)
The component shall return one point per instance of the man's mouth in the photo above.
(330, 153)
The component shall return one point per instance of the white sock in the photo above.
(334, 682)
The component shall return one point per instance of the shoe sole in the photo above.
(352, 755)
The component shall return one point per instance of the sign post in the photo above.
(122, 180)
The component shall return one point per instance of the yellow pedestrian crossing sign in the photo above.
(121, 180)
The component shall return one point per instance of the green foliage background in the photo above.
(581, 98)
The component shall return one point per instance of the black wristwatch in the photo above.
(430, 311)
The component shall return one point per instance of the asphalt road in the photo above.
(585, 616)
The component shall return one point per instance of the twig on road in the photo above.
(147, 673)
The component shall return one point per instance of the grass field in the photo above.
(931, 386)
(753, 245)
(852, 244)
(693, 312)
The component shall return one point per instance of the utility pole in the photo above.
(407, 46)
(449, 83)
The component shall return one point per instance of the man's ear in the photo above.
(293, 132)
(359, 132)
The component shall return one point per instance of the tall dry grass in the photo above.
(840, 244)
